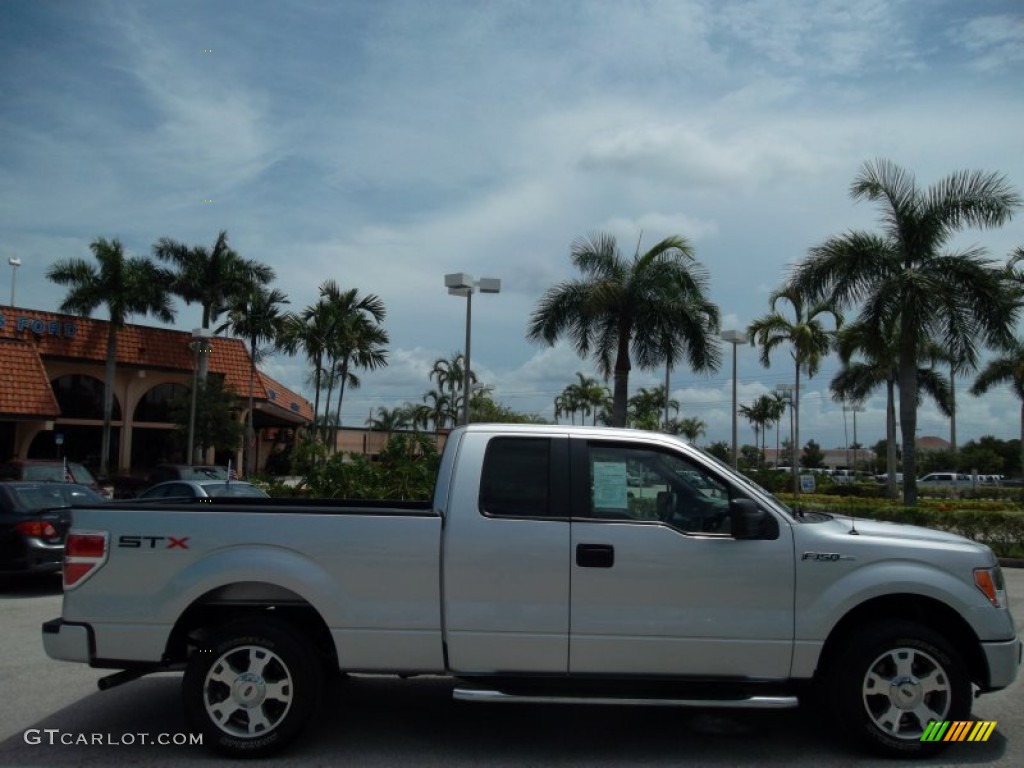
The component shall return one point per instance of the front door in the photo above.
(659, 586)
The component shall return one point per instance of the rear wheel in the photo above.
(252, 688)
(890, 681)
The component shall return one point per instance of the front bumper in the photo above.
(65, 641)
(1003, 660)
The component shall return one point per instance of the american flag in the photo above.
(232, 475)
(67, 473)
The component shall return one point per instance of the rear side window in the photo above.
(516, 480)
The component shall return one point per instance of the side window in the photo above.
(516, 478)
(631, 483)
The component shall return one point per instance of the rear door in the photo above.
(506, 555)
(659, 585)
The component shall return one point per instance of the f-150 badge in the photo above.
(826, 557)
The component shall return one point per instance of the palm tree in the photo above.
(692, 428)
(593, 395)
(645, 309)
(751, 414)
(439, 406)
(587, 396)
(310, 332)
(357, 341)
(645, 407)
(1008, 368)
(254, 314)
(903, 278)
(125, 286)
(809, 342)
(777, 410)
(451, 373)
(210, 278)
(388, 420)
(870, 358)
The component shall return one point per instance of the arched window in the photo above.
(156, 403)
(81, 397)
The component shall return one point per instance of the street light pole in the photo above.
(785, 391)
(462, 284)
(735, 338)
(15, 262)
(465, 374)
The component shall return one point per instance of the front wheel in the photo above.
(890, 681)
(251, 689)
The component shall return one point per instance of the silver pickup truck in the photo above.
(554, 564)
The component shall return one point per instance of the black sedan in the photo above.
(34, 519)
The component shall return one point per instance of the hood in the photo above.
(879, 529)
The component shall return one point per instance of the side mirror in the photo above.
(750, 521)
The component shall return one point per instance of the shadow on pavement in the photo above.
(378, 721)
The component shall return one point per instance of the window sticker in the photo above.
(610, 485)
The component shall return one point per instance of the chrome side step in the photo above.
(748, 702)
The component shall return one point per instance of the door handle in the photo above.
(595, 555)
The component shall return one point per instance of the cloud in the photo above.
(996, 41)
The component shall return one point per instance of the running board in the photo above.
(748, 702)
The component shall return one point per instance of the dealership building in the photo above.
(52, 372)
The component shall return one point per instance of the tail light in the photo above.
(41, 529)
(84, 553)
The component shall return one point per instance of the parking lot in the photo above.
(371, 721)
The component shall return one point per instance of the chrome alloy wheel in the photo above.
(905, 689)
(248, 691)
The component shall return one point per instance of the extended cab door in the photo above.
(659, 586)
(506, 556)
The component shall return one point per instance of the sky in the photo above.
(385, 144)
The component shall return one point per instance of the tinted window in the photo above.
(516, 477)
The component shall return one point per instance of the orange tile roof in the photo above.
(71, 337)
(24, 386)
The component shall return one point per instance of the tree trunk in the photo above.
(108, 398)
(250, 431)
(952, 409)
(341, 395)
(890, 437)
(1022, 436)
(620, 392)
(796, 431)
(908, 412)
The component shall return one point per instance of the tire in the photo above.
(890, 680)
(252, 689)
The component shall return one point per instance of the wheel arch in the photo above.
(927, 611)
(247, 600)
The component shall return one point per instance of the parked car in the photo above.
(34, 519)
(201, 489)
(944, 480)
(164, 472)
(52, 471)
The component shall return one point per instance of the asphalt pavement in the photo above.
(383, 721)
